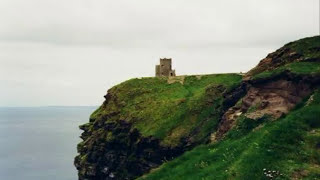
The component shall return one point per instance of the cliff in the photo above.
(263, 125)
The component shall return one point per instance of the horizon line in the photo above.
(54, 106)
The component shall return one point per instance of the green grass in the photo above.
(308, 47)
(300, 68)
(296, 56)
(288, 145)
(170, 111)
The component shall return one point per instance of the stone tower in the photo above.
(165, 68)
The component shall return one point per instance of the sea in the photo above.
(39, 143)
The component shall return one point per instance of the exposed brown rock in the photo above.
(274, 98)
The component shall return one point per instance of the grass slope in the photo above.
(170, 111)
(300, 68)
(308, 47)
(307, 60)
(289, 146)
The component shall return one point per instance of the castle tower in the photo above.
(165, 68)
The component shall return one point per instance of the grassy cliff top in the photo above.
(169, 109)
(287, 149)
(298, 57)
(308, 47)
(145, 122)
(299, 68)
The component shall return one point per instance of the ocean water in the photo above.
(39, 143)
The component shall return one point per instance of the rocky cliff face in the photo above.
(120, 153)
(144, 123)
(274, 98)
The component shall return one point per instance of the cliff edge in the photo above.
(261, 125)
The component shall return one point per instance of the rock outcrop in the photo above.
(277, 94)
(146, 122)
(274, 99)
(120, 153)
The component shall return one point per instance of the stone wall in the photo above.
(157, 70)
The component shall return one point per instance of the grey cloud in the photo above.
(158, 23)
(69, 52)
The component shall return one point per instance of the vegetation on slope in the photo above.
(299, 68)
(145, 122)
(304, 53)
(289, 148)
(171, 111)
(308, 47)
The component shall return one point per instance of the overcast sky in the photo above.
(69, 52)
